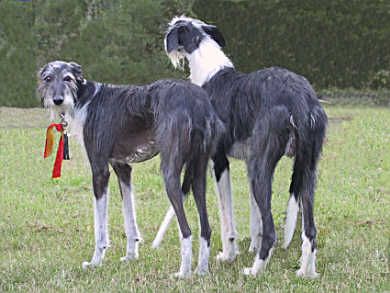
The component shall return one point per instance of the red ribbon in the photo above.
(49, 148)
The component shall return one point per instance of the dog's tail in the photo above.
(309, 146)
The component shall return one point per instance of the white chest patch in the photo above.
(76, 124)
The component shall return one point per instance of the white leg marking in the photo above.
(259, 265)
(308, 257)
(291, 220)
(186, 258)
(228, 230)
(163, 228)
(101, 235)
(204, 254)
(129, 216)
(256, 224)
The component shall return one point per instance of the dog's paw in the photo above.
(201, 271)
(248, 272)
(309, 275)
(181, 275)
(85, 265)
(254, 246)
(222, 257)
(128, 258)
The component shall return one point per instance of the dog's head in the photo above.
(59, 82)
(184, 35)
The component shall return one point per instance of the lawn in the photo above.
(46, 226)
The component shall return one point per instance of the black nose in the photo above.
(58, 100)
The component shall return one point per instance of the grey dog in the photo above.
(121, 125)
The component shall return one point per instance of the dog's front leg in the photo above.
(100, 186)
(123, 171)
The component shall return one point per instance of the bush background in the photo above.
(333, 43)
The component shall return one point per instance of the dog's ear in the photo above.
(42, 71)
(77, 71)
(215, 34)
(183, 36)
(172, 41)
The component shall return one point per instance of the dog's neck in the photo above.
(86, 92)
(76, 116)
(206, 61)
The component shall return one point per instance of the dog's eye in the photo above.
(47, 79)
(67, 78)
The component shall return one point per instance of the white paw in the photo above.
(254, 247)
(311, 275)
(87, 264)
(128, 258)
(223, 257)
(201, 271)
(248, 272)
(181, 275)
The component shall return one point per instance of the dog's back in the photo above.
(186, 110)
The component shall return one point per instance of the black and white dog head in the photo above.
(59, 82)
(185, 35)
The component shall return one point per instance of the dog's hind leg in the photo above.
(123, 171)
(306, 195)
(171, 212)
(256, 226)
(100, 187)
(199, 191)
(269, 140)
(171, 168)
(223, 189)
(305, 167)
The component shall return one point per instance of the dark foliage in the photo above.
(333, 43)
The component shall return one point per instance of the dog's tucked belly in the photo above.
(240, 150)
(142, 152)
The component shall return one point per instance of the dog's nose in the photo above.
(58, 100)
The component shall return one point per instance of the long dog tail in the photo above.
(309, 146)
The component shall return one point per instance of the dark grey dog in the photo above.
(120, 125)
(268, 113)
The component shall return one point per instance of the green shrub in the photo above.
(381, 80)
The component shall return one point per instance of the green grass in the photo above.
(46, 226)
